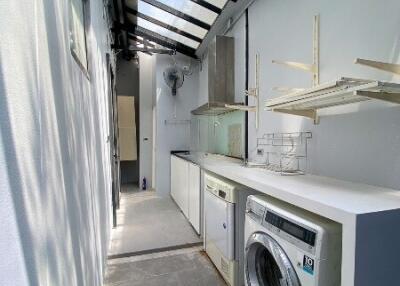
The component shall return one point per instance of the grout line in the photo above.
(154, 251)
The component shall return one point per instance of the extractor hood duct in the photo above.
(221, 75)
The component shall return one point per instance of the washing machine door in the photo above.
(267, 263)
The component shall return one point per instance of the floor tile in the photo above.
(147, 222)
(189, 268)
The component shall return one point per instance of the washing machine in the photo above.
(288, 246)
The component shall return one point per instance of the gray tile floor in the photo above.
(185, 267)
(147, 222)
(130, 188)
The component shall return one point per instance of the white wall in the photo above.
(172, 137)
(54, 158)
(357, 146)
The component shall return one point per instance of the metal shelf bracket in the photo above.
(388, 67)
(253, 92)
(314, 67)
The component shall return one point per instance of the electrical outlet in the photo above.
(260, 152)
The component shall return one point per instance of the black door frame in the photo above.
(114, 142)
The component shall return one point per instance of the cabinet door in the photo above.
(184, 186)
(175, 179)
(194, 196)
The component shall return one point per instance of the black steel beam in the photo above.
(208, 5)
(125, 19)
(140, 41)
(161, 40)
(177, 13)
(116, 29)
(152, 51)
(162, 24)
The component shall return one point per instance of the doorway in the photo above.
(127, 86)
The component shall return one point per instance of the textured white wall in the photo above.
(356, 146)
(172, 137)
(54, 158)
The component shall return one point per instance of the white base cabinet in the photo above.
(185, 189)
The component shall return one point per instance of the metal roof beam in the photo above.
(125, 37)
(208, 5)
(162, 24)
(152, 50)
(177, 13)
(161, 40)
(140, 41)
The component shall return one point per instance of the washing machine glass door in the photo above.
(267, 264)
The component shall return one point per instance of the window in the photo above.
(77, 29)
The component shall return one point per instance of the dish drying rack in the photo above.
(286, 153)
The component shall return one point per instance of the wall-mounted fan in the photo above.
(174, 78)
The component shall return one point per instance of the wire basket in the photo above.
(286, 153)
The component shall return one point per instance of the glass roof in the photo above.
(192, 9)
(184, 21)
(171, 20)
(217, 3)
(167, 33)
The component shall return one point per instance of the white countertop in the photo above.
(335, 199)
(341, 201)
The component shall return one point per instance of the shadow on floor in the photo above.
(147, 222)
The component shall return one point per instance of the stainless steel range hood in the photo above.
(221, 75)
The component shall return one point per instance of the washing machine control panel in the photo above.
(292, 231)
(291, 228)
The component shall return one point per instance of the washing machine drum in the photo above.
(267, 263)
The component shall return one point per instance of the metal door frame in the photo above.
(114, 142)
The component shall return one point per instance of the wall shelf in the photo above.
(343, 91)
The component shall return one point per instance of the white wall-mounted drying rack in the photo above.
(307, 102)
(343, 91)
